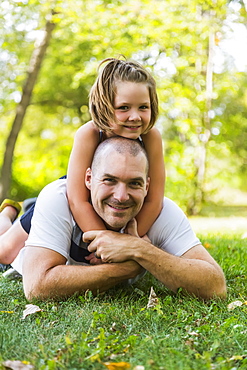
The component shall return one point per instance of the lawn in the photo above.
(116, 330)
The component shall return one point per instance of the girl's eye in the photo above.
(123, 107)
(144, 107)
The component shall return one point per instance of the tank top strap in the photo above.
(141, 141)
(101, 136)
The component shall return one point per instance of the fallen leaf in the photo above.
(6, 311)
(17, 365)
(153, 299)
(194, 333)
(113, 327)
(237, 358)
(117, 365)
(30, 309)
(234, 304)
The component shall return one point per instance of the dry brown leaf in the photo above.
(153, 299)
(117, 365)
(234, 304)
(17, 365)
(30, 309)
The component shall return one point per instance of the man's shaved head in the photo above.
(122, 146)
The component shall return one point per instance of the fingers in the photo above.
(88, 236)
(96, 256)
(93, 260)
(131, 228)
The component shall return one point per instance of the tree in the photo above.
(33, 71)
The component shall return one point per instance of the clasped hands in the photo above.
(108, 246)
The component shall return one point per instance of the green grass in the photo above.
(180, 333)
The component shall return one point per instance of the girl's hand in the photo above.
(131, 228)
(93, 260)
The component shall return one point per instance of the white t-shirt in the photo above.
(53, 223)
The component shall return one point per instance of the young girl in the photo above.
(123, 102)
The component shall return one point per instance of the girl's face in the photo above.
(132, 109)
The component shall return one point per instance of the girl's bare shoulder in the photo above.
(87, 131)
(151, 136)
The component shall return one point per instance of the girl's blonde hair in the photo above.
(102, 94)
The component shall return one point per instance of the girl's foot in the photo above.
(16, 207)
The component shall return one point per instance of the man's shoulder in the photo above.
(59, 185)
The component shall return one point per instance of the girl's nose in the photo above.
(134, 115)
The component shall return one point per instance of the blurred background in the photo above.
(197, 53)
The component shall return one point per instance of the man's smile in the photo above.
(119, 207)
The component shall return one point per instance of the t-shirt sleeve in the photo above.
(172, 231)
(51, 225)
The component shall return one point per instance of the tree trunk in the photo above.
(195, 204)
(32, 74)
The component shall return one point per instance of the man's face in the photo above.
(118, 187)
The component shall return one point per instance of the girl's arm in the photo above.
(85, 143)
(154, 199)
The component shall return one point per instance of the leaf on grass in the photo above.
(237, 358)
(234, 304)
(153, 299)
(194, 333)
(30, 309)
(6, 311)
(207, 245)
(17, 365)
(117, 365)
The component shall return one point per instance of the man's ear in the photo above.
(147, 184)
(88, 178)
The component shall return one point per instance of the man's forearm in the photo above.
(196, 272)
(62, 281)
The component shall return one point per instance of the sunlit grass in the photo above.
(88, 332)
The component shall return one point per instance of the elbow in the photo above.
(221, 290)
(32, 292)
(217, 290)
(35, 290)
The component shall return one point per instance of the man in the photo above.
(118, 183)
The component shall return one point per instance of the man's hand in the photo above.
(131, 229)
(112, 246)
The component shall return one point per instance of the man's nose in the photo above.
(121, 193)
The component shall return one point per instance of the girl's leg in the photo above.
(11, 242)
(7, 217)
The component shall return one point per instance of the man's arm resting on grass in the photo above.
(195, 271)
(46, 276)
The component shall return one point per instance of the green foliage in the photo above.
(171, 40)
(86, 331)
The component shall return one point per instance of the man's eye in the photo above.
(108, 181)
(136, 184)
